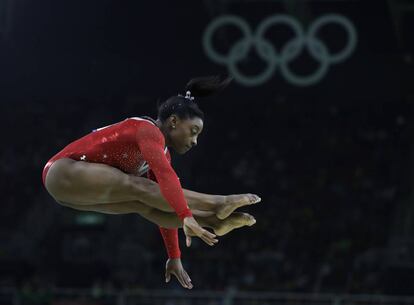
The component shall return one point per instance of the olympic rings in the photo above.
(289, 52)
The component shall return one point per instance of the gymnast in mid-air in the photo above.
(126, 168)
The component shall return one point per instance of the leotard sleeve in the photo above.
(151, 144)
(169, 236)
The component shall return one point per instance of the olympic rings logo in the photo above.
(291, 50)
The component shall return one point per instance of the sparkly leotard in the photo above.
(135, 146)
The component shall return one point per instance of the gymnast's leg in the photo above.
(93, 183)
(170, 220)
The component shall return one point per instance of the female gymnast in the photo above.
(125, 168)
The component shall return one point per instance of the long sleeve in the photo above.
(169, 236)
(172, 246)
(151, 144)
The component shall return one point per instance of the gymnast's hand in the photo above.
(191, 228)
(173, 266)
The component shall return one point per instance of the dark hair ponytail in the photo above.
(205, 86)
(186, 108)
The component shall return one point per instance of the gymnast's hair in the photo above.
(185, 106)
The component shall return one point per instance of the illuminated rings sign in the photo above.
(289, 52)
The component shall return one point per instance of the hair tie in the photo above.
(187, 96)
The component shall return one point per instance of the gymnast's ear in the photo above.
(173, 120)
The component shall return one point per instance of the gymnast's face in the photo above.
(184, 133)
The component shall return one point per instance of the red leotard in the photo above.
(134, 146)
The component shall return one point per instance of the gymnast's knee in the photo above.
(57, 178)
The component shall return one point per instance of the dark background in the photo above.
(332, 161)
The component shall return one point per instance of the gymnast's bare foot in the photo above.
(233, 202)
(234, 221)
